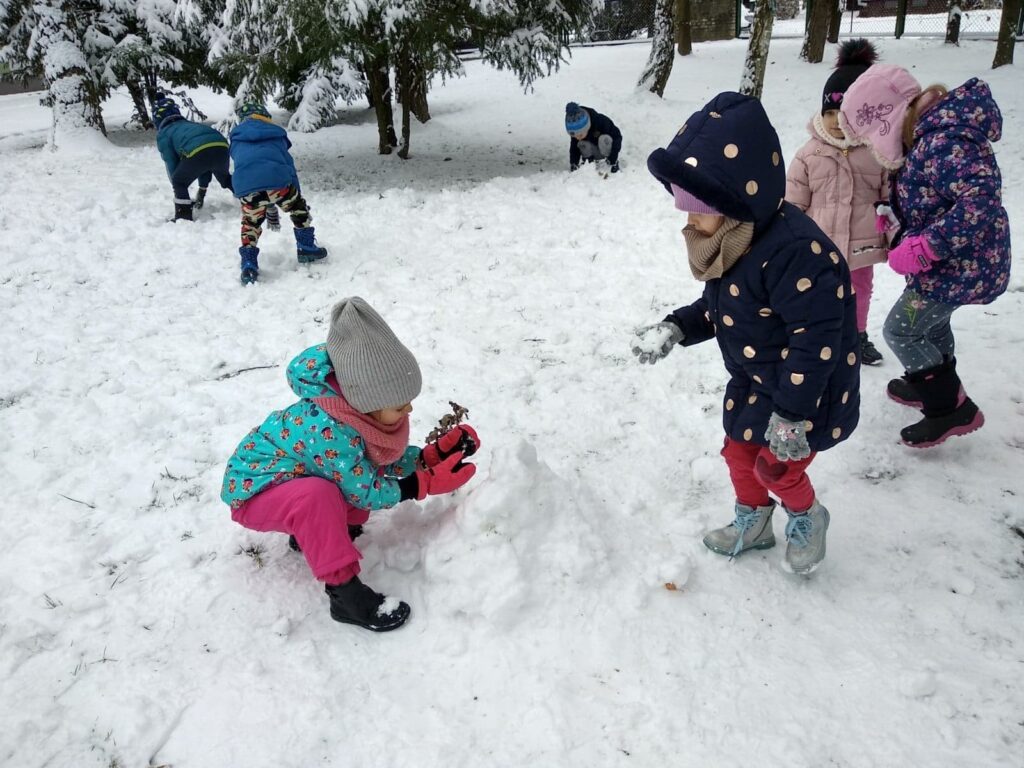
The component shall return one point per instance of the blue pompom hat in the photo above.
(250, 108)
(576, 118)
(163, 110)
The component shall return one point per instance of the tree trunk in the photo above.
(684, 40)
(1008, 24)
(419, 84)
(835, 19)
(403, 84)
(137, 91)
(953, 23)
(901, 17)
(378, 78)
(813, 50)
(752, 81)
(659, 64)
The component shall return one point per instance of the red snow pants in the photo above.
(755, 472)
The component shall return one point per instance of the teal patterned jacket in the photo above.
(303, 441)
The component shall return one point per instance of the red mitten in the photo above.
(445, 477)
(463, 438)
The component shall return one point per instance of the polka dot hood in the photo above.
(728, 156)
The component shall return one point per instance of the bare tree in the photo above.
(1008, 24)
(834, 20)
(659, 64)
(684, 40)
(757, 50)
(953, 23)
(813, 49)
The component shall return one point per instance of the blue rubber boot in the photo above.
(250, 266)
(306, 247)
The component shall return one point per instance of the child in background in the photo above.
(839, 184)
(265, 177)
(777, 298)
(592, 137)
(190, 151)
(316, 469)
(953, 243)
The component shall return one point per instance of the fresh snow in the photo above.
(136, 631)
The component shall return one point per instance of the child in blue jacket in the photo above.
(264, 177)
(593, 137)
(190, 151)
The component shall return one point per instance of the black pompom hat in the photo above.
(855, 56)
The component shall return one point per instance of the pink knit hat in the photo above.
(873, 110)
(689, 204)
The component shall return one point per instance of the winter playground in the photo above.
(140, 627)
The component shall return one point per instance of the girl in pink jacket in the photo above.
(839, 184)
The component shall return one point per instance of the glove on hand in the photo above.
(885, 219)
(463, 438)
(273, 219)
(912, 255)
(656, 341)
(200, 198)
(445, 477)
(787, 440)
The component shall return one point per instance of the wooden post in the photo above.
(901, 17)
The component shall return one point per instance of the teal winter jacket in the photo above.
(303, 441)
(178, 138)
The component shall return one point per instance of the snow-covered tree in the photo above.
(655, 76)
(752, 80)
(1008, 21)
(813, 49)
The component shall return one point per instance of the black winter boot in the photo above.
(903, 392)
(869, 354)
(355, 603)
(200, 198)
(182, 211)
(947, 409)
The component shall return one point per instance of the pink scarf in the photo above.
(384, 444)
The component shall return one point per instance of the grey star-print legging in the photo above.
(917, 330)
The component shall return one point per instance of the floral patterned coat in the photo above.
(950, 191)
(303, 441)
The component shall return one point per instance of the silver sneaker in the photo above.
(806, 536)
(752, 529)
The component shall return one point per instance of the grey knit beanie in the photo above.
(374, 369)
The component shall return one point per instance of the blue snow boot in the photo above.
(751, 529)
(250, 267)
(306, 247)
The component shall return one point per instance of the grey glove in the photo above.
(787, 440)
(655, 341)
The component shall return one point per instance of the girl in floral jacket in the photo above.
(316, 469)
(954, 239)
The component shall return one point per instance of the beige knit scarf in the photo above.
(711, 257)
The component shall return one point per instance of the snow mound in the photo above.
(518, 543)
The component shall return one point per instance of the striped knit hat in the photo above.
(374, 369)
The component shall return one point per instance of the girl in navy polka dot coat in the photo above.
(777, 298)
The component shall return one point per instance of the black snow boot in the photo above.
(182, 211)
(903, 392)
(354, 532)
(947, 409)
(200, 198)
(869, 354)
(355, 603)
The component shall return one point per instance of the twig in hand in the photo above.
(448, 422)
(90, 506)
(244, 370)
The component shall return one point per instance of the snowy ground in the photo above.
(134, 631)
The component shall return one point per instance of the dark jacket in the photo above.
(784, 314)
(950, 191)
(178, 138)
(259, 150)
(599, 126)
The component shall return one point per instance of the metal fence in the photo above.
(633, 19)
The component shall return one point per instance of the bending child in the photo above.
(265, 177)
(317, 469)
(592, 137)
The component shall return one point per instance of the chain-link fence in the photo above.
(633, 19)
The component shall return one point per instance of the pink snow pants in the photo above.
(863, 283)
(313, 511)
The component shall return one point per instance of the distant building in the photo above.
(869, 8)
